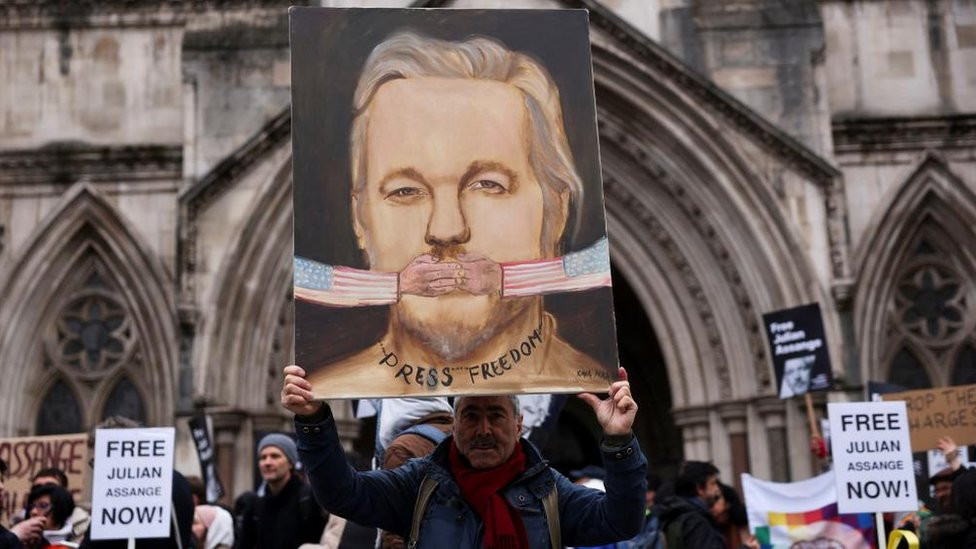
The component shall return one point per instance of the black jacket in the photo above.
(949, 532)
(8, 540)
(282, 521)
(697, 527)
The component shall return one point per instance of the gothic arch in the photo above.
(83, 228)
(710, 249)
(254, 283)
(931, 205)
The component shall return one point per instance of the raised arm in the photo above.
(617, 515)
(381, 499)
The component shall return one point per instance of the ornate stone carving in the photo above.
(275, 132)
(610, 130)
(69, 162)
(865, 135)
(620, 194)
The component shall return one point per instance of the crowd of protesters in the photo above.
(488, 489)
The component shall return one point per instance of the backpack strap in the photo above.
(550, 504)
(427, 431)
(427, 487)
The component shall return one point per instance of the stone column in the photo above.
(226, 432)
(695, 432)
(772, 413)
(733, 416)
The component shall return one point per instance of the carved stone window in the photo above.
(60, 413)
(93, 330)
(932, 335)
(907, 371)
(965, 371)
(90, 340)
(125, 401)
(931, 303)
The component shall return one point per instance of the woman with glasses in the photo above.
(55, 504)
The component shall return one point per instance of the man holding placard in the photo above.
(483, 487)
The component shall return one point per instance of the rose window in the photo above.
(93, 332)
(931, 303)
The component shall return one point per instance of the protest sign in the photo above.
(935, 413)
(798, 348)
(26, 456)
(132, 483)
(872, 457)
(200, 431)
(448, 267)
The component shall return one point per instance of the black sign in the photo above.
(205, 452)
(799, 350)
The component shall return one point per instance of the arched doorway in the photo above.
(576, 440)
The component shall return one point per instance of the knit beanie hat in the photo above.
(282, 442)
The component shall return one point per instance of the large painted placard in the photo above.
(450, 236)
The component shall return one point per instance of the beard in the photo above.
(455, 326)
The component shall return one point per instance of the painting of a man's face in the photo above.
(449, 176)
(450, 236)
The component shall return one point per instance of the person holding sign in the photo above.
(484, 486)
(54, 505)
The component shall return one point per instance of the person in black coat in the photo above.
(956, 529)
(286, 515)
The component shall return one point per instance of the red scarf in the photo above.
(503, 525)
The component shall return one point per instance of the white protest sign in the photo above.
(872, 457)
(132, 483)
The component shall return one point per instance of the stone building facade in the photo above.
(757, 155)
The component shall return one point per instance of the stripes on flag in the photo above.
(588, 268)
(342, 286)
(348, 287)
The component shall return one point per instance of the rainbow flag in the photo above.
(783, 513)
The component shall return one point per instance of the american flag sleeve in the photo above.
(343, 286)
(574, 272)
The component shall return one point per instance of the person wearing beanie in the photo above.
(286, 515)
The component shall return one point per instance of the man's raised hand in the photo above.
(615, 413)
(296, 394)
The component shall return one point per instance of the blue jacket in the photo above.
(385, 499)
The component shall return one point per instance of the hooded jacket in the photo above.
(385, 498)
(698, 528)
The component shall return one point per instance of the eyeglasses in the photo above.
(42, 506)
